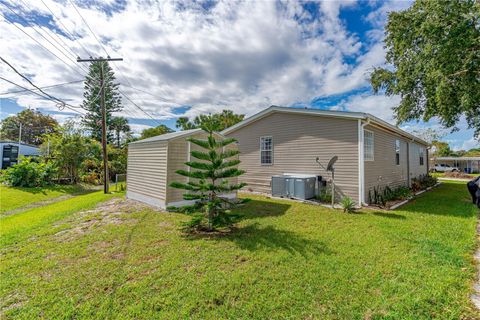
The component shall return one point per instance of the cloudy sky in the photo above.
(185, 58)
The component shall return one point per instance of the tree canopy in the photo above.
(119, 125)
(113, 103)
(434, 49)
(152, 132)
(34, 125)
(225, 119)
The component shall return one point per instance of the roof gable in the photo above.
(323, 113)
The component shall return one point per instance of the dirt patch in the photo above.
(458, 175)
(113, 212)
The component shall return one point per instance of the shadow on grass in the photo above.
(255, 237)
(390, 215)
(261, 209)
(67, 189)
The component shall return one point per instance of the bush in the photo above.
(325, 195)
(28, 173)
(423, 182)
(382, 196)
(348, 205)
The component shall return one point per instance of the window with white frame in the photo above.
(397, 152)
(266, 150)
(421, 155)
(368, 149)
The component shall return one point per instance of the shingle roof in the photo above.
(169, 136)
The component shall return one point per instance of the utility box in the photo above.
(298, 187)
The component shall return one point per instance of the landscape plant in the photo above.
(29, 173)
(208, 179)
(348, 205)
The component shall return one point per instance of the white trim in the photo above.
(373, 145)
(361, 161)
(260, 148)
(146, 199)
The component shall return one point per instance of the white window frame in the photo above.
(397, 151)
(421, 156)
(365, 153)
(271, 150)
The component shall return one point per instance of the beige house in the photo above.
(371, 152)
(152, 166)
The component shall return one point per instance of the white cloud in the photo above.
(469, 144)
(377, 105)
(138, 128)
(240, 55)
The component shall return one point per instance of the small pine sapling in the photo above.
(208, 180)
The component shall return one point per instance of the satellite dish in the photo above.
(331, 163)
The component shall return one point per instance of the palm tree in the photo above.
(119, 125)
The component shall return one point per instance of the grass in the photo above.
(15, 197)
(285, 260)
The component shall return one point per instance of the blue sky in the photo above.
(185, 58)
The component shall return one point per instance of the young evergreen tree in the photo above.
(92, 121)
(208, 178)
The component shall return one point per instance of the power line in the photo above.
(66, 29)
(34, 85)
(41, 35)
(85, 21)
(140, 108)
(150, 94)
(46, 87)
(39, 43)
(38, 94)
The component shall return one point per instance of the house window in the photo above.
(266, 150)
(421, 156)
(368, 145)
(397, 152)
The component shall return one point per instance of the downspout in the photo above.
(361, 161)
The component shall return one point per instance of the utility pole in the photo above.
(104, 116)
(19, 137)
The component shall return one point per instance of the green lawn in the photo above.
(14, 198)
(286, 260)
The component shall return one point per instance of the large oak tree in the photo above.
(434, 51)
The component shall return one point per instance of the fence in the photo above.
(120, 182)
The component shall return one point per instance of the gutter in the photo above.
(361, 162)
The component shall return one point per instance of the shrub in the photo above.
(382, 196)
(348, 205)
(423, 182)
(28, 173)
(325, 195)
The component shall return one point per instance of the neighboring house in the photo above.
(10, 151)
(464, 164)
(371, 152)
(152, 165)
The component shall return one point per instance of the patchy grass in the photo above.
(285, 260)
(15, 197)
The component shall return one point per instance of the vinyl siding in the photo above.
(297, 141)
(383, 171)
(177, 156)
(415, 168)
(147, 169)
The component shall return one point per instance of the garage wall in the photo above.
(147, 172)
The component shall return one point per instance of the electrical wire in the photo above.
(41, 35)
(66, 29)
(46, 87)
(38, 94)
